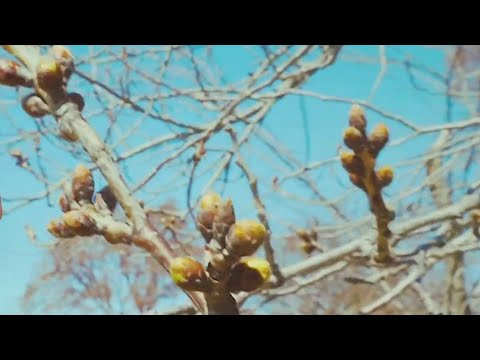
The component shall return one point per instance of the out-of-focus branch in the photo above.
(455, 302)
(464, 242)
(393, 293)
(432, 307)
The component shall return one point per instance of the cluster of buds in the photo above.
(48, 74)
(230, 244)
(361, 162)
(360, 165)
(84, 213)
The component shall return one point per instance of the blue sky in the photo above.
(19, 259)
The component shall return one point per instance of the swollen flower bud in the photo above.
(249, 274)
(384, 176)
(49, 73)
(210, 200)
(353, 139)
(378, 138)
(13, 74)
(59, 229)
(189, 274)
(215, 216)
(352, 163)
(79, 223)
(34, 106)
(357, 118)
(83, 185)
(245, 237)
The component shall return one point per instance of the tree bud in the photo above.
(352, 163)
(79, 223)
(189, 274)
(245, 237)
(34, 106)
(49, 73)
(14, 74)
(249, 274)
(353, 139)
(378, 138)
(59, 229)
(384, 176)
(83, 185)
(357, 118)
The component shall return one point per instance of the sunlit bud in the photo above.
(14, 74)
(79, 223)
(189, 274)
(353, 139)
(357, 118)
(34, 106)
(245, 237)
(49, 73)
(384, 176)
(64, 203)
(59, 229)
(83, 185)
(249, 274)
(352, 163)
(215, 216)
(378, 138)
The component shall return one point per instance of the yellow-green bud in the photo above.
(378, 138)
(384, 176)
(352, 163)
(189, 274)
(249, 274)
(245, 237)
(354, 139)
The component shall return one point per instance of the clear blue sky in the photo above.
(19, 259)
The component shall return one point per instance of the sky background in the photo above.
(20, 259)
